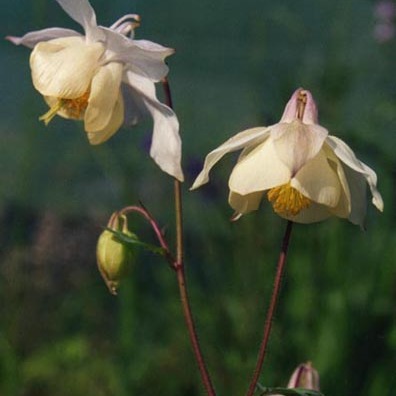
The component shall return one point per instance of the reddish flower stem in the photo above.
(271, 309)
(181, 279)
(154, 225)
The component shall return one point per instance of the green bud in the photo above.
(114, 258)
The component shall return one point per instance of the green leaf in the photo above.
(289, 391)
(132, 240)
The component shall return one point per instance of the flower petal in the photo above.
(64, 67)
(105, 90)
(314, 213)
(32, 38)
(317, 181)
(249, 137)
(344, 206)
(297, 143)
(358, 190)
(115, 122)
(243, 204)
(347, 156)
(166, 143)
(259, 170)
(144, 57)
(83, 13)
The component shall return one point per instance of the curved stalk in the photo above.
(181, 279)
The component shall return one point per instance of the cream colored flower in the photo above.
(306, 174)
(104, 78)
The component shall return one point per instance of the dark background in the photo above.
(236, 65)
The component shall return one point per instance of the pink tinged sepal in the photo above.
(304, 376)
(310, 115)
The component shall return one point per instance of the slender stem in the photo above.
(181, 278)
(271, 309)
(154, 225)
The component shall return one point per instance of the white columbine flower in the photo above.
(104, 78)
(306, 174)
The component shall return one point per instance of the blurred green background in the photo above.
(236, 65)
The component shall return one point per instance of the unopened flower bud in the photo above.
(114, 258)
(304, 376)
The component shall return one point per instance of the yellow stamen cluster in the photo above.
(287, 201)
(74, 108)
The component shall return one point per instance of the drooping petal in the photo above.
(313, 214)
(32, 38)
(135, 109)
(105, 90)
(260, 170)
(144, 57)
(243, 204)
(358, 190)
(347, 156)
(83, 13)
(297, 143)
(249, 137)
(317, 181)
(344, 206)
(64, 67)
(115, 122)
(166, 143)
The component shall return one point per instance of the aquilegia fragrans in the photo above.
(306, 174)
(104, 78)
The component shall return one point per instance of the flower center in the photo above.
(73, 108)
(287, 201)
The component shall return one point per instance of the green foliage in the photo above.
(289, 392)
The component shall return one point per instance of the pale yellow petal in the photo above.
(318, 181)
(259, 170)
(105, 89)
(248, 138)
(347, 156)
(115, 122)
(343, 208)
(64, 67)
(297, 143)
(245, 203)
(313, 214)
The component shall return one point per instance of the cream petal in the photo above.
(83, 13)
(297, 143)
(32, 38)
(343, 208)
(347, 156)
(358, 190)
(64, 67)
(143, 57)
(243, 204)
(313, 214)
(247, 138)
(166, 143)
(115, 122)
(260, 170)
(317, 181)
(105, 89)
